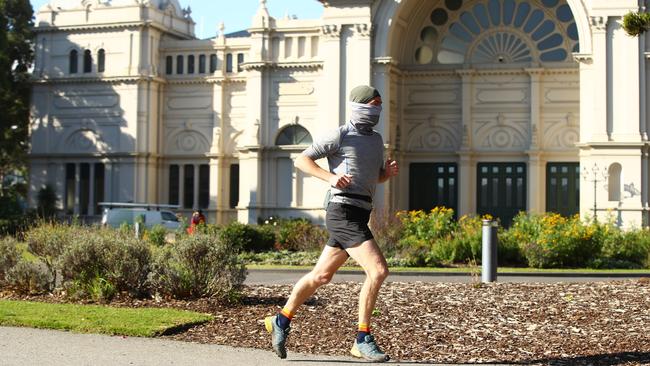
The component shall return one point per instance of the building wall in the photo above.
(139, 120)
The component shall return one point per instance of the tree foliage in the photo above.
(16, 55)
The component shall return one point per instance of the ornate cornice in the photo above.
(599, 23)
(363, 30)
(284, 65)
(584, 58)
(331, 30)
(96, 79)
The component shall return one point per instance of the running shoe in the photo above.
(368, 350)
(278, 335)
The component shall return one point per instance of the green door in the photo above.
(432, 185)
(501, 190)
(563, 188)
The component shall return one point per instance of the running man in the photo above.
(355, 154)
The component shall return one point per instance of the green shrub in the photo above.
(561, 242)
(28, 277)
(300, 235)
(623, 248)
(105, 261)
(465, 242)
(9, 256)
(47, 241)
(199, 265)
(156, 235)
(248, 237)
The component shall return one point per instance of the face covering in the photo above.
(364, 116)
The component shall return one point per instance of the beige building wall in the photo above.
(144, 121)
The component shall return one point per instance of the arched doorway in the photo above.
(485, 100)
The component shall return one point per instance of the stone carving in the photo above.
(331, 30)
(599, 23)
(188, 142)
(631, 190)
(85, 140)
(363, 30)
(435, 135)
(502, 134)
(561, 135)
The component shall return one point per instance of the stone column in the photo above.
(330, 94)
(91, 190)
(197, 176)
(599, 103)
(77, 188)
(467, 166)
(536, 177)
(181, 185)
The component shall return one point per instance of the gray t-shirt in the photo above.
(349, 151)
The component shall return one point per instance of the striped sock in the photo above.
(364, 330)
(284, 318)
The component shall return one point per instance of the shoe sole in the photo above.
(355, 352)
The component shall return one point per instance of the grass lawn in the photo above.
(141, 322)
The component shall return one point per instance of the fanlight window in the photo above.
(498, 31)
(293, 135)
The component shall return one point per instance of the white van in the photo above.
(116, 216)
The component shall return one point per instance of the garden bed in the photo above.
(603, 323)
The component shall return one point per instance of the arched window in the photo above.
(229, 62)
(169, 67)
(74, 61)
(213, 63)
(190, 64)
(240, 61)
(101, 60)
(88, 61)
(201, 64)
(179, 64)
(293, 135)
(614, 182)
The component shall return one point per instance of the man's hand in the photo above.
(340, 181)
(391, 168)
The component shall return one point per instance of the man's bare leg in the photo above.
(369, 257)
(330, 260)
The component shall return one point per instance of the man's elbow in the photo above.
(300, 162)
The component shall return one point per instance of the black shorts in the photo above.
(347, 225)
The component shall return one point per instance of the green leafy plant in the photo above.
(199, 265)
(635, 23)
(9, 256)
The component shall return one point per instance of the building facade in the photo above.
(490, 106)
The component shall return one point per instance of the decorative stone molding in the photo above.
(599, 23)
(331, 31)
(435, 135)
(363, 30)
(584, 58)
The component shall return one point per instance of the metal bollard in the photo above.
(489, 252)
(138, 230)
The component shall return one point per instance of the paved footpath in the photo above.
(26, 346)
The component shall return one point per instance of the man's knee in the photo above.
(379, 274)
(321, 278)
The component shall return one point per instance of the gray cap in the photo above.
(363, 94)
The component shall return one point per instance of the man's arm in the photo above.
(389, 170)
(309, 166)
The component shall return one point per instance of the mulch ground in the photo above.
(602, 323)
